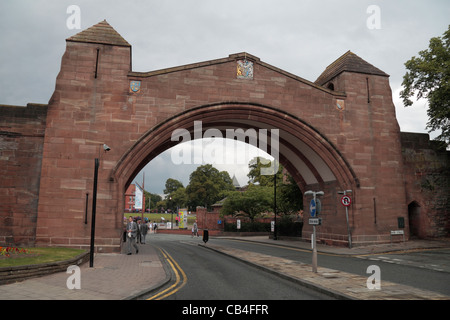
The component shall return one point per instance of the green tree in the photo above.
(428, 76)
(179, 198)
(161, 206)
(251, 203)
(289, 195)
(207, 185)
(175, 192)
(151, 200)
(255, 176)
(172, 185)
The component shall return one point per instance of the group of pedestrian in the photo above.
(137, 232)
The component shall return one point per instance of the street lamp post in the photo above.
(94, 206)
(275, 205)
(314, 246)
(171, 214)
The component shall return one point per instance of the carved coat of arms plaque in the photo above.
(244, 69)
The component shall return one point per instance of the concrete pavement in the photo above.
(113, 277)
(119, 276)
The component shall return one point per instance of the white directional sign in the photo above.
(315, 221)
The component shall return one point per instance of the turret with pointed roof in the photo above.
(101, 33)
(97, 53)
(348, 62)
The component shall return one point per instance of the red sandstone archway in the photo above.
(304, 151)
(328, 139)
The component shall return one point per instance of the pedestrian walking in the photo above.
(143, 231)
(138, 237)
(150, 227)
(195, 229)
(132, 230)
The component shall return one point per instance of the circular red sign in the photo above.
(346, 201)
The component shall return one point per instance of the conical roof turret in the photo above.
(101, 33)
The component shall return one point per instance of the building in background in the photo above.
(130, 198)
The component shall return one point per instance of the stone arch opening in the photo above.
(414, 218)
(312, 160)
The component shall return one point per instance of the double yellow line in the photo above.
(180, 280)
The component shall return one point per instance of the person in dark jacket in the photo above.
(143, 228)
(132, 230)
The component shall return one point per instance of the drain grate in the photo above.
(150, 264)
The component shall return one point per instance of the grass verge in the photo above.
(40, 256)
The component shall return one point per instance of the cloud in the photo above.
(301, 37)
(163, 167)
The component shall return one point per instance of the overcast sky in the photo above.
(300, 36)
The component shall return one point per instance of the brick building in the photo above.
(337, 133)
(129, 198)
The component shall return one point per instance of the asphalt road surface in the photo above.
(427, 269)
(202, 274)
(214, 276)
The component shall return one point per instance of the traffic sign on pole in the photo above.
(312, 208)
(346, 201)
